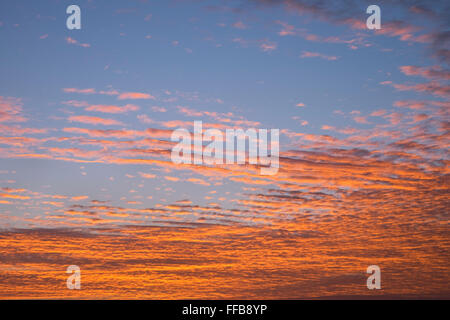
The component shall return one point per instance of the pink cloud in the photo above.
(70, 40)
(412, 104)
(239, 25)
(433, 87)
(83, 91)
(287, 30)
(145, 119)
(10, 110)
(128, 134)
(419, 117)
(308, 54)
(362, 120)
(109, 92)
(135, 95)
(268, 46)
(378, 113)
(394, 117)
(147, 175)
(189, 112)
(419, 105)
(17, 130)
(94, 120)
(398, 29)
(106, 133)
(158, 109)
(434, 72)
(112, 108)
(391, 29)
(75, 103)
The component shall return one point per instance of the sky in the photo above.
(87, 179)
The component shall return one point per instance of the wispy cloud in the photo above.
(94, 120)
(309, 54)
(135, 95)
(112, 108)
(70, 40)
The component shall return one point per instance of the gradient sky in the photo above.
(86, 176)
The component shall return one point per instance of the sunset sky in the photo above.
(86, 176)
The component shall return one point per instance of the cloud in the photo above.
(112, 108)
(147, 175)
(436, 34)
(135, 95)
(420, 105)
(362, 120)
(268, 46)
(158, 109)
(169, 178)
(198, 181)
(145, 119)
(76, 103)
(83, 91)
(11, 110)
(13, 196)
(79, 198)
(189, 112)
(239, 25)
(378, 113)
(123, 134)
(110, 92)
(433, 87)
(70, 40)
(434, 72)
(308, 54)
(440, 41)
(288, 30)
(94, 120)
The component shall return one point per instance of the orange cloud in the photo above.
(147, 175)
(198, 181)
(171, 178)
